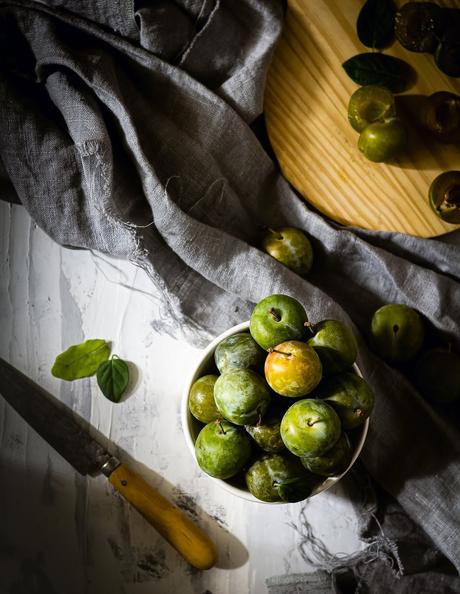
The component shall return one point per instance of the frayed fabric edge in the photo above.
(315, 552)
(325, 565)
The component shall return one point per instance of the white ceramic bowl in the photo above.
(192, 427)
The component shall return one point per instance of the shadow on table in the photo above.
(55, 533)
(424, 152)
(232, 553)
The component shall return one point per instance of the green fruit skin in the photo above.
(447, 54)
(291, 247)
(334, 462)
(350, 396)
(314, 439)
(441, 116)
(239, 351)
(295, 373)
(418, 26)
(382, 141)
(267, 331)
(222, 449)
(267, 435)
(201, 399)
(368, 104)
(437, 376)
(397, 332)
(264, 474)
(335, 344)
(241, 396)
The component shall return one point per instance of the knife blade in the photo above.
(56, 424)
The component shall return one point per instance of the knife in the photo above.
(54, 422)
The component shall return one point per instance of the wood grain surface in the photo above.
(306, 110)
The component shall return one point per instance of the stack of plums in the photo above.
(284, 405)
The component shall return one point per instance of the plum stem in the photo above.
(274, 231)
(277, 233)
(219, 424)
(274, 314)
(272, 350)
(310, 326)
(310, 423)
(359, 412)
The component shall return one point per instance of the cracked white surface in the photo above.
(73, 535)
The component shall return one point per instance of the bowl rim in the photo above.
(187, 418)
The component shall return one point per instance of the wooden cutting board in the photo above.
(306, 111)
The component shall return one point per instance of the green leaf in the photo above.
(376, 22)
(81, 360)
(380, 69)
(112, 378)
(294, 489)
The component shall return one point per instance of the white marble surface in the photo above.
(62, 533)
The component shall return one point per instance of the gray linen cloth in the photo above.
(125, 128)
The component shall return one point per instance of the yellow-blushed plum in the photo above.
(293, 369)
(291, 247)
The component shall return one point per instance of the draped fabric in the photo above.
(126, 128)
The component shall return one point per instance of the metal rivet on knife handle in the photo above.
(108, 467)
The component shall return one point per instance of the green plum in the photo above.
(437, 375)
(310, 427)
(278, 318)
(291, 247)
(239, 351)
(383, 140)
(350, 396)
(293, 369)
(201, 399)
(418, 26)
(441, 116)
(222, 449)
(242, 396)
(397, 332)
(335, 344)
(447, 54)
(334, 462)
(369, 104)
(268, 476)
(267, 434)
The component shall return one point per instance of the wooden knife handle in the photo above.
(185, 536)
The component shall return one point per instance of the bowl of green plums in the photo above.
(276, 410)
